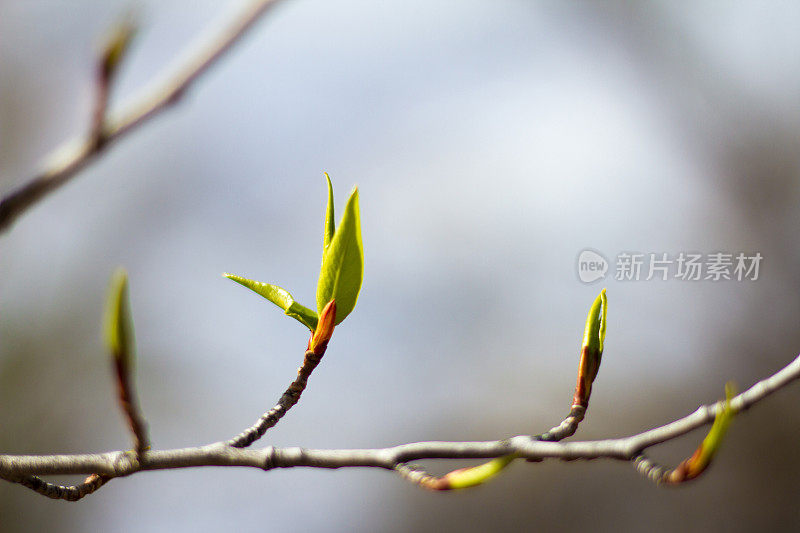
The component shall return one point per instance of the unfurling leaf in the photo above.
(342, 259)
(118, 325)
(699, 461)
(281, 298)
(594, 336)
(330, 225)
(476, 475)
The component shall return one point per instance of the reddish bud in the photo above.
(327, 321)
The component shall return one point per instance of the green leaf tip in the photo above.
(330, 226)
(594, 334)
(477, 475)
(118, 322)
(342, 268)
(279, 297)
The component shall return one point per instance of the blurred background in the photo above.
(492, 141)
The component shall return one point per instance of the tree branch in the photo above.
(117, 464)
(70, 158)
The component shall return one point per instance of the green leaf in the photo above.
(118, 325)
(330, 226)
(710, 445)
(343, 263)
(594, 334)
(594, 337)
(281, 298)
(477, 475)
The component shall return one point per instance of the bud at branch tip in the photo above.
(327, 321)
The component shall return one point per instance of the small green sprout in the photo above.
(341, 274)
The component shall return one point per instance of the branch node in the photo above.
(126, 463)
(269, 458)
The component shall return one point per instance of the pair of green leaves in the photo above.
(342, 268)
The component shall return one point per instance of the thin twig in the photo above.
(126, 395)
(77, 153)
(651, 470)
(107, 66)
(317, 345)
(287, 400)
(116, 464)
(70, 493)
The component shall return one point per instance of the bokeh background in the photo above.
(492, 141)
